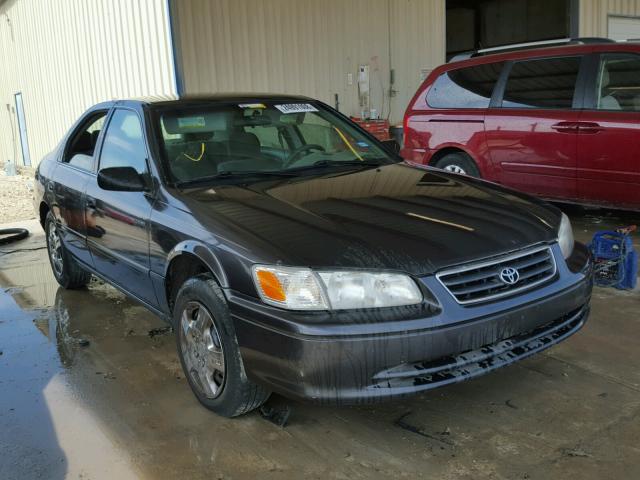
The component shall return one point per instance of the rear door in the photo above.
(608, 169)
(451, 114)
(531, 130)
(76, 169)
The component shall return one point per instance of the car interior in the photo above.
(210, 142)
(207, 143)
(619, 89)
(82, 146)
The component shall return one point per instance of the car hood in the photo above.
(399, 217)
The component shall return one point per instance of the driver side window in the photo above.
(82, 145)
(124, 144)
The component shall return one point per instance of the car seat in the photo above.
(191, 159)
(244, 144)
(608, 102)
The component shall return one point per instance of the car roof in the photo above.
(190, 99)
(549, 51)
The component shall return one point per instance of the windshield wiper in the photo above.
(337, 163)
(233, 174)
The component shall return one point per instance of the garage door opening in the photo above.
(472, 25)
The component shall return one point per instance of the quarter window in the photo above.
(124, 143)
(465, 88)
(618, 83)
(544, 83)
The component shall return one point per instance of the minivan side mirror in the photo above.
(121, 179)
(391, 146)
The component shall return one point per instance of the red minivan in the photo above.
(561, 122)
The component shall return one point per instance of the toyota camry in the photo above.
(294, 253)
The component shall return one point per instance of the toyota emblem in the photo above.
(509, 276)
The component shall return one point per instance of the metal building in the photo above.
(60, 56)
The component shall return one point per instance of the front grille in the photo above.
(482, 282)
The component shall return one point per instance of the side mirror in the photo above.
(391, 146)
(121, 179)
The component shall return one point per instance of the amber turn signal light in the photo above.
(271, 286)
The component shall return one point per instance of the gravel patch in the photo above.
(16, 197)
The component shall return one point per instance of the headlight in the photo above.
(565, 236)
(305, 289)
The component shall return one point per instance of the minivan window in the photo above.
(469, 87)
(542, 83)
(618, 83)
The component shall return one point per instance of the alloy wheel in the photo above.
(202, 349)
(455, 169)
(55, 250)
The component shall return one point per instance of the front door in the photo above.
(119, 242)
(609, 133)
(532, 134)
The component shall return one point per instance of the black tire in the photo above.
(67, 272)
(458, 162)
(237, 394)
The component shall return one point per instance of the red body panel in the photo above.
(588, 156)
(609, 158)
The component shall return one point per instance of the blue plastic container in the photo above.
(615, 260)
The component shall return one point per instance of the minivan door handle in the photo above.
(589, 127)
(565, 127)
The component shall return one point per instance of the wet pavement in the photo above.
(86, 392)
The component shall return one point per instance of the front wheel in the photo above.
(65, 268)
(459, 163)
(209, 352)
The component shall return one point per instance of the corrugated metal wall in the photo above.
(308, 47)
(65, 55)
(594, 14)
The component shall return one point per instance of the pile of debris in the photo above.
(16, 196)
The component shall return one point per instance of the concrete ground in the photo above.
(86, 392)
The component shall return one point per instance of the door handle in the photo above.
(589, 127)
(565, 127)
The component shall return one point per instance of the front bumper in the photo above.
(362, 361)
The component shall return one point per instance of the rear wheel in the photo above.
(458, 162)
(209, 352)
(66, 269)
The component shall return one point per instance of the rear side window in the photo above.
(618, 84)
(543, 83)
(469, 87)
(82, 144)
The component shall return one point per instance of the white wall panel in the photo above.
(594, 15)
(309, 47)
(66, 55)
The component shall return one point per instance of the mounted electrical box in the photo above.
(363, 90)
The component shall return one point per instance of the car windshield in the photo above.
(208, 141)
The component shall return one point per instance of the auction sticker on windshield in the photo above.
(296, 108)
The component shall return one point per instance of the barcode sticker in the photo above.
(296, 108)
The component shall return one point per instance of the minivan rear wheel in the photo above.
(458, 162)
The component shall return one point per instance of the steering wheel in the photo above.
(300, 150)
